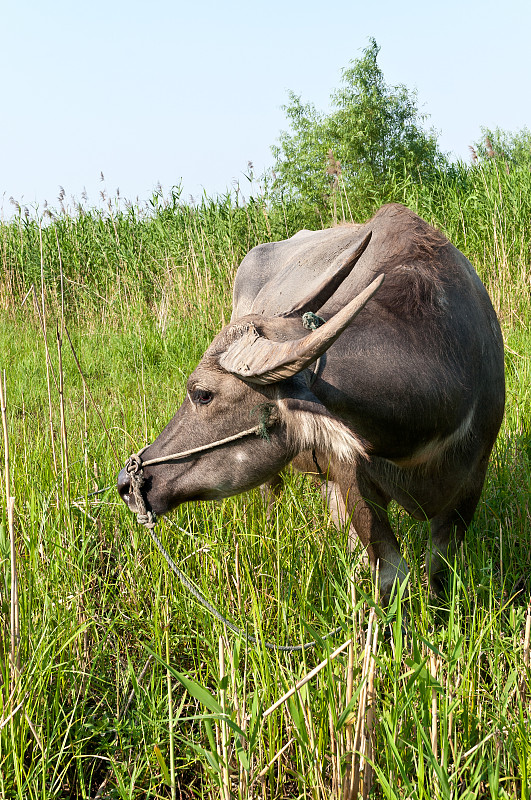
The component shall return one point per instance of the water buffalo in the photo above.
(394, 391)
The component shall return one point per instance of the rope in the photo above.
(186, 453)
(134, 469)
(312, 321)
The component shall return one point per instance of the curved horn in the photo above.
(347, 262)
(260, 360)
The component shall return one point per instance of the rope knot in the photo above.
(148, 519)
(133, 464)
(311, 321)
(134, 469)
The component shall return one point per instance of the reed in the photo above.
(123, 679)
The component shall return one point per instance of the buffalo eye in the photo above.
(202, 396)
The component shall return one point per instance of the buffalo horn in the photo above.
(317, 299)
(336, 273)
(260, 360)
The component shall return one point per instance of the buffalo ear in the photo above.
(311, 426)
(262, 361)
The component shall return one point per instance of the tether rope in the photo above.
(134, 469)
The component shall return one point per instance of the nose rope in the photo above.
(134, 468)
(145, 517)
(201, 448)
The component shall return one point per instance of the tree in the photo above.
(373, 130)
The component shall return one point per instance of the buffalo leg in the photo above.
(367, 507)
(270, 491)
(337, 509)
(447, 533)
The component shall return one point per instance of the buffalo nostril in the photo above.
(123, 485)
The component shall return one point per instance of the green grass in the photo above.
(101, 616)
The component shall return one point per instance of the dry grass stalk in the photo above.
(10, 506)
(524, 683)
(82, 646)
(263, 773)
(237, 572)
(306, 678)
(65, 472)
(59, 332)
(348, 778)
(241, 718)
(477, 746)
(335, 754)
(49, 371)
(359, 737)
(42, 317)
(317, 763)
(6, 720)
(125, 708)
(370, 720)
(86, 387)
(306, 711)
(434, 664)
(434, 737)
(450, 693)
(224, 733)
(34, 732)
(527, 658)
(170, 704)
(334, 171)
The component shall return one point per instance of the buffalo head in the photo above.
(254, 375)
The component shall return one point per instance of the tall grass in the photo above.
(125, 686)
(485, 211)
(119, 255)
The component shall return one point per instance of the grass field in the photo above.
(115, 682)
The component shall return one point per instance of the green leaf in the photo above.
(193, 688)
(210, 756)
(162, 765)
(344, 716)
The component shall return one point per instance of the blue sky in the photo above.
(183, 91)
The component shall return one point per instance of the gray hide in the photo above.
(405, 404)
